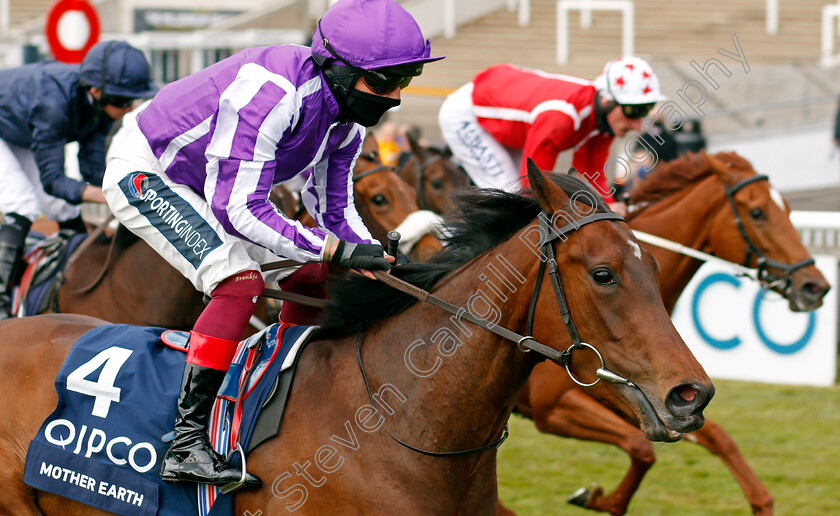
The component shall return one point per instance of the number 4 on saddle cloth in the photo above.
(117, 390)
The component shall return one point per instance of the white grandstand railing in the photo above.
(819, 230)
(772, 17)
(437, 17)
(625, 7)
(524, 11)
(829, 14)
(443, 16)
(4, 17)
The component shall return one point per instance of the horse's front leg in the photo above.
(504, 511)
(576, 414)
(717, 441)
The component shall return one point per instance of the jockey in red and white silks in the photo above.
(508, 114)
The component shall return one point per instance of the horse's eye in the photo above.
(379, 200)
(758, 214)
(437, 184)
(603, 277)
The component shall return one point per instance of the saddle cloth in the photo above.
(117, 388)
(42, 277)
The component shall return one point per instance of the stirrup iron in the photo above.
(235, 486)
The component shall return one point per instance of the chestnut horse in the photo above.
(434, 175)
(445, 384)
(691, 201)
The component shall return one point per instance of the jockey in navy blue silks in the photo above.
(193, 173)
(44, 106)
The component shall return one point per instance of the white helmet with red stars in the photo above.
(629, 80)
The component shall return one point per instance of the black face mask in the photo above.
(366, 108)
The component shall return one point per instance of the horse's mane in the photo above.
(481, 219)
(675, 175)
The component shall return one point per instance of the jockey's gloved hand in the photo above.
(402, 259)
(360, 256)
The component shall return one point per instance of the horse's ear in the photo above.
(550, 196)
(370, 144)
(416, 148)
(582, 178)
(719, 168)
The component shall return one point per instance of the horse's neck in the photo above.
(461, 380)
(686, 217)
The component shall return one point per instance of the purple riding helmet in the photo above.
(374, 40)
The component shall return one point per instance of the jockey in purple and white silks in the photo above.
(44, 106)
(192, 173)
(255, 120)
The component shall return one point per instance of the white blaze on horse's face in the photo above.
(637, 251)
(777, 198)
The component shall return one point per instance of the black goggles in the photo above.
(634, 111)
(117, 101)
(383, 80)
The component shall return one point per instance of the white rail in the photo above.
(625, 7)
(819, 230)
(772, 17)
(829, 13)
(4, 17)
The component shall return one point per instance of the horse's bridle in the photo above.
(762, 262)
(371, 156)
(525, 343)
(547, 249)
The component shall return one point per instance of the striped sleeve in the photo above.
(329, 192)
(254, 112)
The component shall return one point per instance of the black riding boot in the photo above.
(13, 233)
(191, 457)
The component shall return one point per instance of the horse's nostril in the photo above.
(687, 393)
(813, 288)
(688, 399)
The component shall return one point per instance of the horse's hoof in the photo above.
(580, 497)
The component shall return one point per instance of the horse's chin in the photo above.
(653, 426)
(798, 303)
(799, 299)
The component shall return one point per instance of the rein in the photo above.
(762, 262)
(90, 239)
(676, 247)
(760, 273)
(524, 343)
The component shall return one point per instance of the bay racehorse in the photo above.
(713, 203)
(433, 174)
(441, 383)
